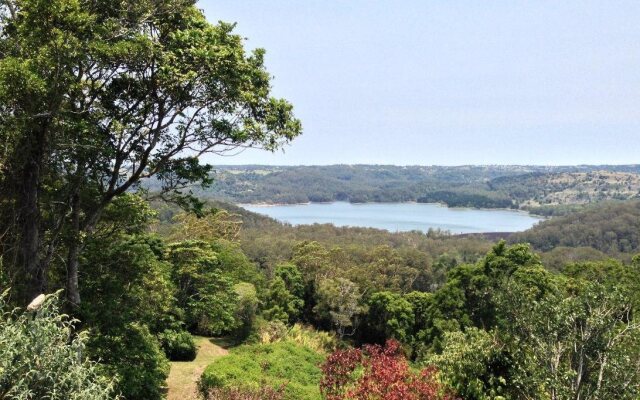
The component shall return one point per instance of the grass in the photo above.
(184, 375)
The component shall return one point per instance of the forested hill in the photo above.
(611, 228)
(490, 186)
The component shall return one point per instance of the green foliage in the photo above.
(128, 213)
(609, 228)
(374, 259)
(422, 305)
(203, 291)
(97, 100)
(264, 393)
(558, 257)
(519, 331)
(41, 357)
(467, 299)
(472, 363)
(320, 341)
(210, 225)
(280, 304)
(339, 301)
(130, 299)
(127, 281)
(178, 346)
(133, 355)
(234, 263)
(385, 268)
(312, 259)
(389, 316)
(276, 331)
(268, 365)
(572, 331)
(246, 310)
(284, 296)
(464, 198)
(271, 331)
(292, 278)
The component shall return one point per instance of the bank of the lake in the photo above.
(400, 216)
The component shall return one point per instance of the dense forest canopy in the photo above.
(611, 228)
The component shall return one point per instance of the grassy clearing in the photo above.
(184, 375)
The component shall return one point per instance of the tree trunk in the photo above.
(73, 291)
(29, 215)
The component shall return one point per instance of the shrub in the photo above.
(130, 301)
(41, 359)
(124, 281)
(377, 372)
(471, 364)
(133, 354)
(178, 346)
(313, 339)
(277, 331)
(265, 393)
(272, 331)
(267, 365)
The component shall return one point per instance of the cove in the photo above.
(400, 216)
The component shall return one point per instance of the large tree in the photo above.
(96, 97)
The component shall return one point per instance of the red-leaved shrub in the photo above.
(234, 393)
(380, 373)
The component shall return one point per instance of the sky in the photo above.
(449, 82)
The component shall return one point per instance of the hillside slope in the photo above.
(538, 189)
(611, 228)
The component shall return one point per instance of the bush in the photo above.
(130, 301)
(178, 346)
(377, 372)
(277, 331)
(41, 359)
(126, 281)
(470, 364)
(273, 365)
(133, 354)
(245, 394)
(271, 331)
(317, 340)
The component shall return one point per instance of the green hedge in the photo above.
(178, 345)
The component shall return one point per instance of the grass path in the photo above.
(184, 375)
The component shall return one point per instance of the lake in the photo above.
(400, 216)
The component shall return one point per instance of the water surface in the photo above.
(400, 216)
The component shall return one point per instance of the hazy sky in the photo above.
(449, 82)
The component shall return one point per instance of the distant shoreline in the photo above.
(263, 204)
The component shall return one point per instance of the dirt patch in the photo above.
(184, 375)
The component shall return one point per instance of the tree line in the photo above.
(539, 189)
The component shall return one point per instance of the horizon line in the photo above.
(426, 165)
